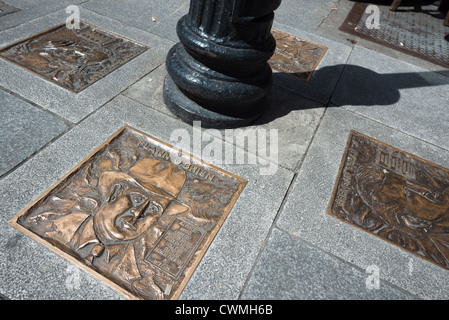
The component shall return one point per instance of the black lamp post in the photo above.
(218, 73)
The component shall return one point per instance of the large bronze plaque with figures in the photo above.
(73, 58)
(137, 213)
(396, 196)
(296, 57)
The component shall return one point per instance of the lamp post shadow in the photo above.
(357, 86)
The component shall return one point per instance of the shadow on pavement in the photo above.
(357, 86)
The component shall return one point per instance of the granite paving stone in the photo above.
(140, 14)
(165, 26)
(222, 271)
(290, 269)
(24, 129)
(304, 212)
(324, 80)
(30, 10)
(293, 118)
(6, 8)
(306, 15)
(330, 27)
(278, 242)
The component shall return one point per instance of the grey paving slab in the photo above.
(140, 14)
(398, 94)
(165, 26)
(308, 254)
(289, 269)
(30, 10)
(324, 80)
(28, 270)
(24, 129)
(289, 122)
(76, 106)
(36, 273)
(303, 14)
(304, 213)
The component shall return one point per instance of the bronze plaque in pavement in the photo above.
(396, 196)
(73, 58)
(137, 213)
(296, 57)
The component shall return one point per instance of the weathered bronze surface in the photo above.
(6, 9)
(296, 57)
(396, 196)
(73, 58)
(137, 213)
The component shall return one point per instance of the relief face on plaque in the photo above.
(135, 212)
(396, 196)
(296, 57)
(73, 58)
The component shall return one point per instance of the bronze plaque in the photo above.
(6, 9)
(137, 213)
(296, 57)
(396, 196)
(73, 58)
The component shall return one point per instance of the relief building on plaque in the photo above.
(396, 196)
(136, 213)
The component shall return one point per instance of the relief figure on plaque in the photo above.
(411, 213)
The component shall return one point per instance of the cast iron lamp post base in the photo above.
(188, 110)
(218, 74)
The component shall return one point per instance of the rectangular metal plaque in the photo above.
(6, 9)
(296, 57)
(73, 58)
(137, 213)
(396, 196)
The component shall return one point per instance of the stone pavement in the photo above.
(277, 242)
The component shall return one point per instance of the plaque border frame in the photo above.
(209, 238)
(54, 28)
(340, 176)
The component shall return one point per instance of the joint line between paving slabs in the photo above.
(341, 75)
(396, 129)
(70, 125)
(264, 243)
